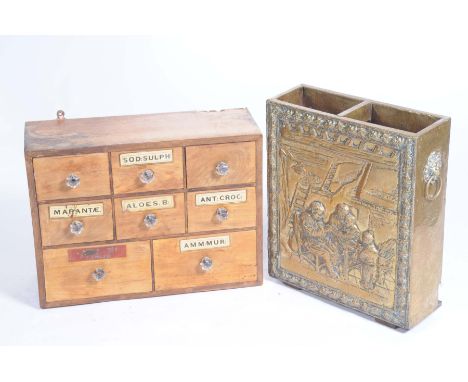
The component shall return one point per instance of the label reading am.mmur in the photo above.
(222, 197)
(146, 157)
(204, 243)
(76, 210)
(144, 204)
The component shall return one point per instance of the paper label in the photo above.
(145, 157)
(204, 243)
(98, 253)
(223, 197)
(153, 203)
(76, 210)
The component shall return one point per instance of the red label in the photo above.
(98, 253)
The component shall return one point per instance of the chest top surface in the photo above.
(102, 132)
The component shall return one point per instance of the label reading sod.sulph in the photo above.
(204, 243)
(145, 157)
(223, 197)
(76, 210)
(153, 203)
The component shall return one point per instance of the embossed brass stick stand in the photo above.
(356, 201)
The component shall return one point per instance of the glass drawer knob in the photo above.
(150, 220)
(76, 227)
(73, 181)
(147, 176)
(222, 168)
(206, 264)
(99, 274)
(222, 214)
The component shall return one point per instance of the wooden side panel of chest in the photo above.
(141, 206)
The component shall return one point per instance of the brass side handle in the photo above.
(431, 175)
(432, 187)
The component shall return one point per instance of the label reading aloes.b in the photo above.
(145, 204)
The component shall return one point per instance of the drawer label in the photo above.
(204, 243)
(222, 197)
(76, 210)
(98, 253)
(153, 203)
(145, 157)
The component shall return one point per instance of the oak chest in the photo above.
(147, 205)
(356, 201)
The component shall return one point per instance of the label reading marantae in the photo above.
(222, 197)
(204, 243)
(146, 157)
(76, 210)
(98, 253)
(144, 204)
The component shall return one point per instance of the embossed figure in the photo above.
(387, 254)
(338, 246)
(350, 234)
(344, 233)
(313, 229)
(313, 220)
(368, 257)
(337, 218)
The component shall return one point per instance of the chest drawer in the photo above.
(221, 209)
(142, 171)
(219, 165)
(70, 177)
(150, 216)
(76, 222)
(97, 271)
(205, 260)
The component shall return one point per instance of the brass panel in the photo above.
(342, 203)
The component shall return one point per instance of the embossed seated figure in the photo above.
(350, 235)
(338, 216)
(343, 237)
(368, 257)
(312, 229)
(312, 222)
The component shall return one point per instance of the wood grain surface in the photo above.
(174, 269)
(57, 231)
(150, 130)
(130, 224)
(202, 162)
(167, 175)
(65, 280)
(203, 218)
(51, 174)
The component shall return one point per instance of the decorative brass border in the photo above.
(325, 126)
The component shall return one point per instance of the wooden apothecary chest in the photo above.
(148, 205)
(356, 201)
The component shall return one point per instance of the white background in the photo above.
(213, 56)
